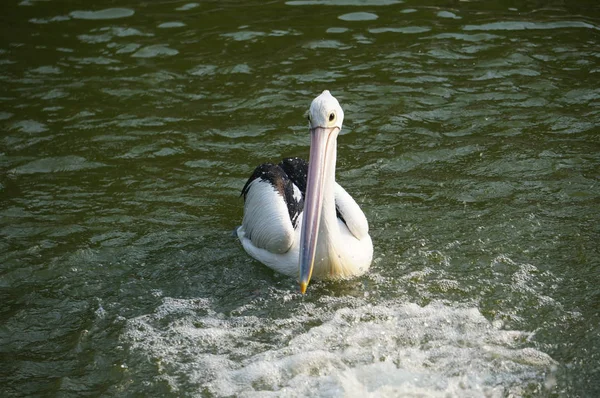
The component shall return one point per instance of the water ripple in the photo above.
(156, 50)
(57, 164)
(525, 25)
(343, 2)
(405, 29)
(358, 16)
(109, 13)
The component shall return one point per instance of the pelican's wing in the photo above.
(349, 211)
(272, 205)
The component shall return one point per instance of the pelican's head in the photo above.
(325, 112)
(325, 117)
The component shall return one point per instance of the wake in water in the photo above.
(389, 349)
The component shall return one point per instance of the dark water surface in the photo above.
(471, 142)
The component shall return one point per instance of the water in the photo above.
(471, 143)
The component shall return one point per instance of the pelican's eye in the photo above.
(331, 116)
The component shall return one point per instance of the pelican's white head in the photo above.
(325, 112)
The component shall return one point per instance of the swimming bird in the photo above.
(297, 219)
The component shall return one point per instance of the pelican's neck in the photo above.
(328, 215)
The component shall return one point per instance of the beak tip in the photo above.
(303, 286)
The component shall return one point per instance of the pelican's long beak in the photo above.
(322, 147)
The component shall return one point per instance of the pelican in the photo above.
(297, 220)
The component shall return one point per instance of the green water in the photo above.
(470, 141)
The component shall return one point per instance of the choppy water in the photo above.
(471, 142)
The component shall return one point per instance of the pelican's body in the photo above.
(297, 219)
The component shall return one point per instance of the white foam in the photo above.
(388, 349)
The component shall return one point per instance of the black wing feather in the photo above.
(281, 182)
